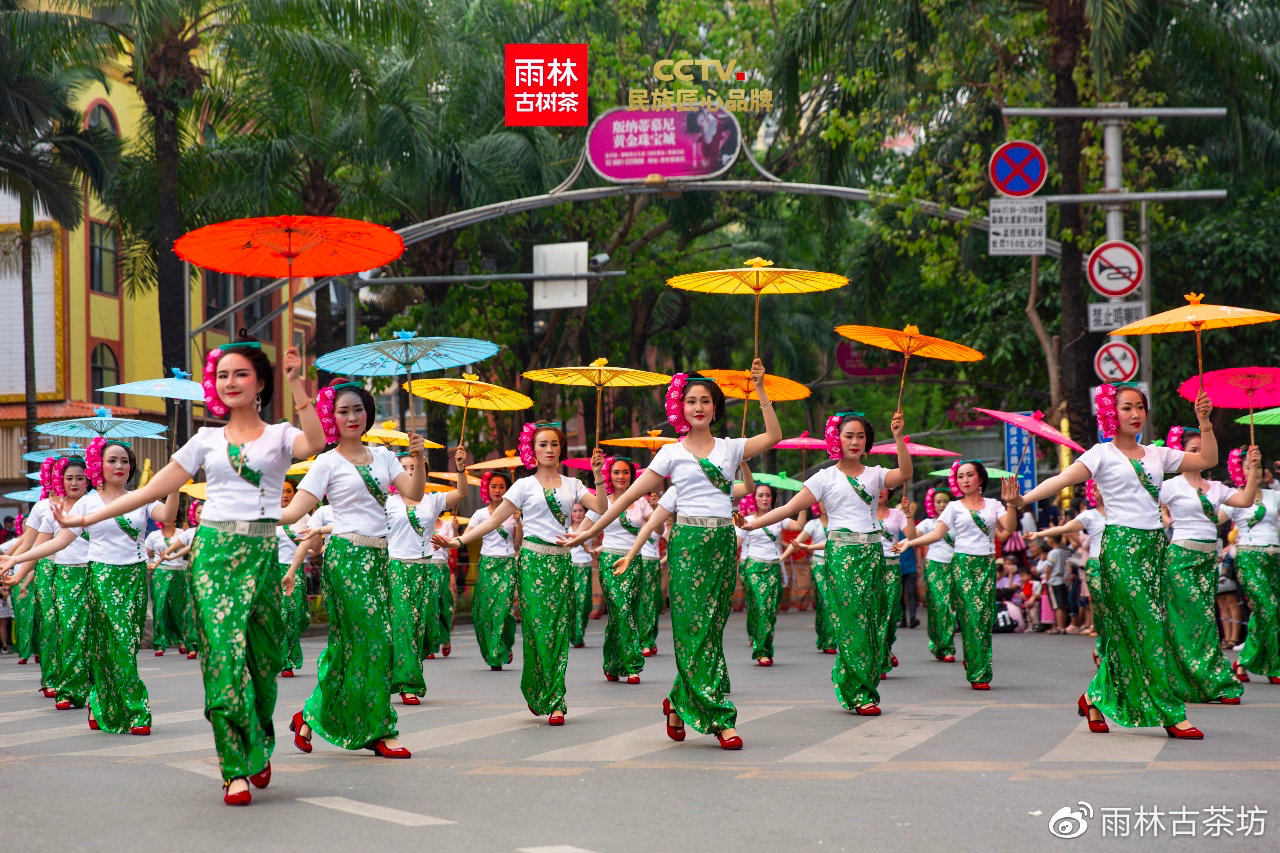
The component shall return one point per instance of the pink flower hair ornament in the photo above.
(93, 461)
(816, 509)
(1173, 440)
(525, 444)
(192, 519)
(929, 509)
(324, 410)
(17, 525)
(952, 483)
(675, 403)
(46, 477)
(747, 506)
(1235, 466)
(1091, 493)
(832, 434)
(1108, 419)
(60, 468)
(212, 401)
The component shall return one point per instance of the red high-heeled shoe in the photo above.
(511, 656)
(893, 659)
(93, 724)
(159, 653)
(191, 655)
(380, 747)
(1227, 700)
(1273, 679)
(556, 719)
(49, 692)
(141, 731)
(980, 685)
(1189, 733)
(734, 742)
(410, 699)
(295, 725)
(609, 676)
(764, 661)
(22, 661)
(867, 711)
(1096, 726)
(445, 649)
(240, 798)
(676, 733)
(64, 705)
(633, 679)
(182, 650)
(949, 659)
(286, 673)
(1240, 673)
(828, 651)
(431, 656)
(262, 778)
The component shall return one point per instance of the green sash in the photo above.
(371, 483)
(767, 532)
(715, 475)
(414, 521)
(627, 525)
(130, 531)
(236, 457)
(553, 504)
(1206, 505)
(288, 531)
(949, 539)
(977, 519)
(1259, 513)
(1145, 480)
(859, 490)
(502, 531)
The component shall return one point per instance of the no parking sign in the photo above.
(1018, 168)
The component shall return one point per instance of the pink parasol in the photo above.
(1033, 424)
(802, 442)
(583, 463)
(1238, 388)
(912, 448)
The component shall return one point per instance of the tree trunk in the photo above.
(170, 280)
(27, 217)
(1068, 29)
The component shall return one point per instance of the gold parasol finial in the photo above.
(1193, 298)
(471, 377)
(910, 329)
(759, 262)
(600, 362)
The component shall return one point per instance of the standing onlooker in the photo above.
(907, 564)
(1059, 590)
(7, 532)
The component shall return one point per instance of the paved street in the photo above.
(945, 768)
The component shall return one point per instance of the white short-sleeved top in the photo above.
(893, 524)
(1264, 531)
(970, 539)
(940, 551)
(1095, 523)
(41, 518)
(699, 497)
(580, 556)
(405, 541)
(156, 543)
(526, 495)
(649, 550)
(355, 509)
(187, 535)
(495, 543)
(231, 496)
(814, 531)
(108, 541)
(762, 545)
(1129, 504)
(286, 545)
(617, 537)
(1186, 511)
(846, 510)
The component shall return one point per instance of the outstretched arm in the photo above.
(939, 530)
(30, 558)
(158, 488)
(1253, 474)
(479, 531)
(656, 520)
(772, 434)
(1071, 526)
(303, 502)
(645, 483)
(1075, 474)
(903, 472)
(799, 503)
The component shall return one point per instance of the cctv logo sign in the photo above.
(546, 85)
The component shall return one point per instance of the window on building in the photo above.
(101, 117)
(218, 294)
(104, 255)
(104, 370)
(258, 308)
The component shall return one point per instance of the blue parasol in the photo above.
(33, 475)
(177, 387)
(29, 496)
(72, 449)
(102, 424)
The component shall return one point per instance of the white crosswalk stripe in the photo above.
(451, 735)
(1118, 746)
(58, 732)
(369, 810)
(881, 738)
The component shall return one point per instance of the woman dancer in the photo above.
(1132, 685)
(702, 546)
(1093, 521)
(581, 558)
(295, 613)
(415, 584)
(762, 571)
(26, 595)
(441, 580)
(546, 576)
(494, 596)
(169, 601)
(814, 540)
(892, 522)
(974, 522)
(622, 642)
(937, 578)
(351, 705)
(855, 570)
(649, 610)
(1258, 567)
(1199, 669)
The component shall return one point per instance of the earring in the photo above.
(257, 401)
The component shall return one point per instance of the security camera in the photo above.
(600, 259)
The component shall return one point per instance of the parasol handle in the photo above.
(755, 346)
(599, 395)
(902, 381)
(466, 404)
(1199, 359)
(408, 377)
(746, 404)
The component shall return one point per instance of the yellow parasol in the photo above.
(453, 478)
(436, 487)
(1193, 317)
(909, 342)
(599, 375)
(737, 384)
(389, 435)
(756, 280)
(653, 440)
(469, 393)
(198, 491)
(299, 468)
(510, 460)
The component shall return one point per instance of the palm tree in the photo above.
(46, 154)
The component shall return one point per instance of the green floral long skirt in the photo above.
(351, 705)
(444, 606)
(649, 609)
(71, 589)
(942, 609)
(296, 616)
(973, 589)
(823, 627)
(25, 615)
(581, 612)
(854, 590)
(169, 607)
(493, 608)
(892, 613)
(1259, 575)
(763, 584)
(1199, 669)
(435, 592)
(1133, 686)
(546, 613)
(236, 584)
(622, 644)
(1093, 580)
(46, 627)
(408, 624)
(701, 561)
(117, 614)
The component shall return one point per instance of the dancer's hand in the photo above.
(308, 534)
(292, 364)
(289, 583)
(1204, 406)
(460, 460)
(416, 445)
(66, 520)
(741, 520)
(900, 546)
(1253, 459)
(1032, 536)
(565, 540)
(622, 565)
(1009, 493)
(6, 564)
(597, 464)
(897, 425)
(444, 543)
(757, 374)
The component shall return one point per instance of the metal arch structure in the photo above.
(465, 218)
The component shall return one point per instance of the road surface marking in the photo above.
(882, 738)
(1118, 747)
(457, 733)
(369, 810)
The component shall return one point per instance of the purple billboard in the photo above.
(628, 146)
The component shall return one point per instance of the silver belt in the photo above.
(544, 550)
(1197, 545)
(614, 551)
(848, 537)
(703, 521)
(1269, 550)
(243, 528)
(750, 560)
(413, 561)
(58, 565)
(892, 558)
(379, 542)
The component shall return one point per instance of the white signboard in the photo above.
(1016, 226)
(12, 360)
(552, 258)
(1105, 316)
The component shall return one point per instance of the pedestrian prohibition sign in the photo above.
(1115, 269)
(1115, 361)
(1018, 168)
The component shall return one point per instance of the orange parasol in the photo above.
(909, 342)
(651, 442)
(757, 281)
(470, 393)
(453, 478)
(737, 384)
(598, 375)
(510, 460)
(1193, 317)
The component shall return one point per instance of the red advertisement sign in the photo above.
(546, 85)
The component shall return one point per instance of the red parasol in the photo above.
(583, 463)
(914, 449)
(1034, 424)
(1238, 388)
